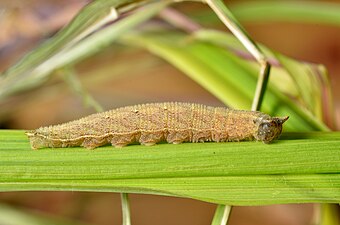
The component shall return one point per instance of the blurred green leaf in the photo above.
(223, 74)
(306, 80)
(316, 12)
(17, 216)
(307, 83)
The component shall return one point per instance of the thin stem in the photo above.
(235, 27)
(261, 85)
(125, 209)
(222, 214)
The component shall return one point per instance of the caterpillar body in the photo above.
(149, 124)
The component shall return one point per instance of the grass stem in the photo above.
(125, 209)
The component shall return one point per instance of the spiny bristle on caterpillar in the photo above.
(149, 124)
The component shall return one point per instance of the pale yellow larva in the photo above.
(149, 124)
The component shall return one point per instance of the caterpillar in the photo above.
(149, 124)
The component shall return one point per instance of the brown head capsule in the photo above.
(268, 128)
(149, 124)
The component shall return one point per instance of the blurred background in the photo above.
(122, 76)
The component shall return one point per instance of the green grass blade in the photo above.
(284, 11)
(126, 209)
(308, 12)
(295, 169)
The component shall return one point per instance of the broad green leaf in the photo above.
(295, 169)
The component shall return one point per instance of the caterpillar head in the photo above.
(268, 128)
(37, 137)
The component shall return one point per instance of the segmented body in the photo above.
(149, 124)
